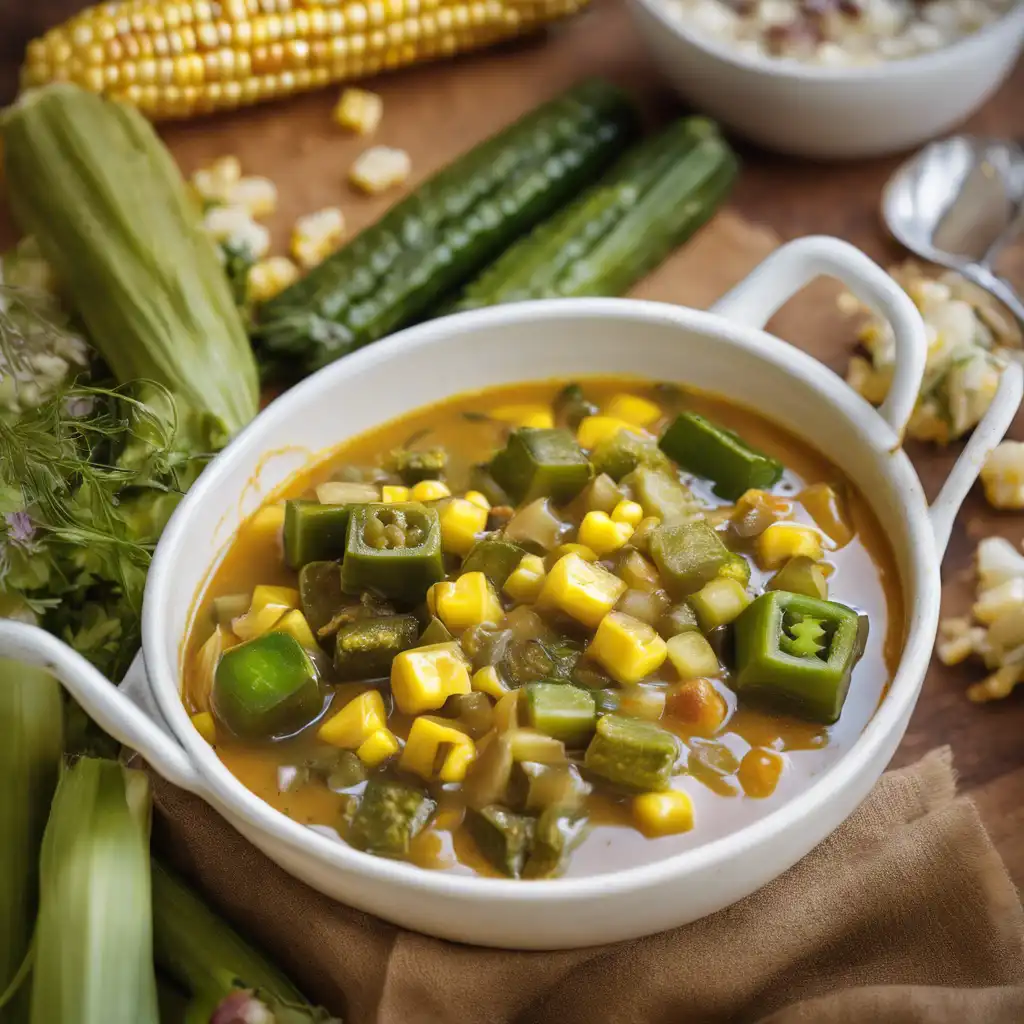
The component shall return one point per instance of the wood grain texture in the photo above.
(437, 111)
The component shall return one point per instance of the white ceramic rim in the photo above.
(968, 47)
(232, 796)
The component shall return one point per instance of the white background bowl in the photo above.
(832, 112)
(723, 351)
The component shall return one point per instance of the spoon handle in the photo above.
(998, 287)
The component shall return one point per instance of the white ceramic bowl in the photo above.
(832, 112)
(723, 351)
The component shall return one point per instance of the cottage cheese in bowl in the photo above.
(836, 33)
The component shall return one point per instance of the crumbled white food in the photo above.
(1003, 476)
(837, 33)
(233, 227)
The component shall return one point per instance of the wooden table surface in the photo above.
(790, 197)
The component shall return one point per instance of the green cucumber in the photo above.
(433, 241)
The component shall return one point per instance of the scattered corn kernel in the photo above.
(587, 554)
(697, 703)
(602, 534)
(756, 510)
(206, 727)
(380, 168)
(423, 678)
(783, 541)
(486, 680)
(359, 719)
(316, 235)
(461, 521)
(429, 490)
(1003, 476)
(628, 512)
(430, 736)
(582, 590)
(390, 494)
(468, 601)
(213, 183)
(359, 110)
(268, 606)
(595, 429)
(524, 415)
(629, 649)
(526, 580)
(294, 623)
(255, 194)
(663, 814)
(478, 499)
(760, 771)
(997, 601)
(233, 227)
(633, 409)
(378, 747)
(692, 656)
(270, 277)
(996, 686)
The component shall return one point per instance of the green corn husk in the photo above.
(217, 971)
(30, 755)
(90, 180)
(94, 935)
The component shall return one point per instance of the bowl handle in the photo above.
(105, 703)
(987, 434)
(792, 266)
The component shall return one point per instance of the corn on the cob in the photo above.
(174, 58)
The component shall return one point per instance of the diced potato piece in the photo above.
(468, 601)
(461, 521)
(429, 490)
(391, 494)
(719, 602)
(378, 747)
(294, 623)
(359, 110)
(692, 656)
(355, 722)
(270, 277)
(380, 168)
(268, 606)
(423, 678)
(628, 512)
(526, 580)
(633, 409)
(601, 534)
(663, 814)
(783, 541)
(430, 737)
(486, 680)
(584, 591)
(206, 727)
(316, 235)
(629, 649)
(595, 429)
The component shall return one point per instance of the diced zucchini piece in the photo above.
(435, 633)
(719, 602)
(366, 648)
(502, 836)
(390, 815)
(692, 655)
(536, 787)
(717, 454)
(661, 495)
(265, 688)
(556, 834)
(680, 618)
(320, 593)
(496, 559)
(624, 451)
(541, 463)
(487, 779)
(736, 568)
(602, 495)
(472, 712)
(531, 745)
(687, 556)
(314, 532)
(633, 753)
(229, 607)
(415, 466)
(801, 575)
(565, 712)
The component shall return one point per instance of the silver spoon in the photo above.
(958, 203)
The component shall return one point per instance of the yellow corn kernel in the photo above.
(584, 591)
(214, 183)
(264, 529)
(423, 678)
(294, 623)
(267, 607)
(270, 277)
(429, 736)
(478, 499)
(697, 703)
(595, 429)
(524, 415)
(783, 541)
(468, 601)
(486, 680)
(255, 194)
(461, 521)
(359, 110)
(390, 494)
(633, 409)
(628, 512)
(429, 490)
(526, 580)
(380, 168)
(378, 747)
(599, 533)
(233, 226)
(206, 727)
(663, 814)
(629, 649)
(316, 235)
(357, 720)
(587, 554)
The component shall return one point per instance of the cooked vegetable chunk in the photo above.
(461, 522)
(390, 815)
(565, 712)
(355, 722)
(423, 678)
(538, 463)
(314, 532)
(266, 687)
(719, 602)
(633, 753)
(496, 559)
(436, 632)
(503, 837)
(708, 450)
(624, 450)
(801, 575)
(585, 591)
(414, 466)
(663, 814)
(688, 555)
(468, 601)
(366, 648)
(628, 648)
(661, 495)
(437, 749)
(798, 653)
(556, 834)
(394, 550)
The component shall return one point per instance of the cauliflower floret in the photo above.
(1003, 476)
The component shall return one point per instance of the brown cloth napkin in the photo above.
(904, 915)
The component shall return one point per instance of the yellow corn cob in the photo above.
(178, 58)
